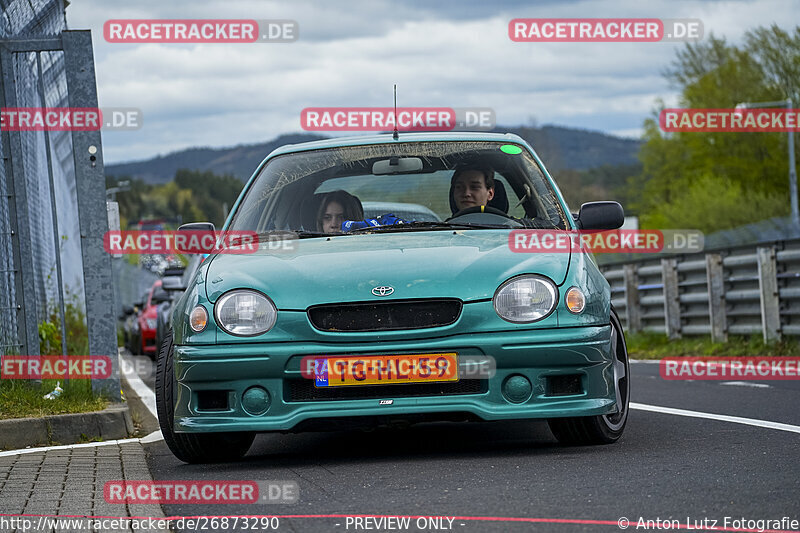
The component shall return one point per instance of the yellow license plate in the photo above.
(337, 371)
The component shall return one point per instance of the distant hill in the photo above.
(560, 148)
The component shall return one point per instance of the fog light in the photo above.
(198, 319)
(255, 401)
(576, 301)
(517, 389)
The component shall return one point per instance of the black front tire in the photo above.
(191, 447)
(601, 429)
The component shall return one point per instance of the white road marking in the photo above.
(711, 416)
(153, 437)
(746, 384)
(144, 392)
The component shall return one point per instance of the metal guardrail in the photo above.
(736, 291)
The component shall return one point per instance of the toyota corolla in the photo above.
(359, 320)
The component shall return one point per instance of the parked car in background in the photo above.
(174, 285)
(130, 326)
(148, 320)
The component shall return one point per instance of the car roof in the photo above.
(387, 138)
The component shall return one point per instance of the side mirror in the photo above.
(197, 226)
(197, 229)
(600, 216)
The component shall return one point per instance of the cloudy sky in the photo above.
(350, 53)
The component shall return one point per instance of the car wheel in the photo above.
(191, 447)
(601, 429)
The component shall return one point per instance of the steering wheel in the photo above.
(481, 209)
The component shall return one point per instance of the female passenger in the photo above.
(336, 207)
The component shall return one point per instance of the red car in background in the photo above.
(147, 319)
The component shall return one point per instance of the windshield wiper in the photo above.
(428, 225)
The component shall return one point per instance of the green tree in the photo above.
(193, 196)
(745, 173)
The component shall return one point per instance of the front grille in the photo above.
(303, 390)
(385, 316)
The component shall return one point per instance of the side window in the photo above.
(518, 211)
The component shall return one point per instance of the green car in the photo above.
(335, 320)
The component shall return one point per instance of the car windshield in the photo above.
(405, 184)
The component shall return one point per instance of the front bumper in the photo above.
(538, 355)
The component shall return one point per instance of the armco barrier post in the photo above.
(716, 298)
(768, 289)
(672, 304)
(631, 281)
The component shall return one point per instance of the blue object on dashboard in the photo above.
(384, 220)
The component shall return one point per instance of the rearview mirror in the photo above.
(396, 165)
(600, 216)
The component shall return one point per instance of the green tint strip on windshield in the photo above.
(511, 149)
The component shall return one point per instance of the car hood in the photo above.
(468, 265)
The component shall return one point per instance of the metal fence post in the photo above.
(672, 304)
(92, 215)
(768, 288)
(631, 281)
(25, 288)
(716, 298)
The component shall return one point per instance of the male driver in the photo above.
(473, 185)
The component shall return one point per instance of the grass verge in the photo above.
(657, 346)
(21, 399)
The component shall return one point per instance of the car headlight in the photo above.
(525, 299)
(245, 312)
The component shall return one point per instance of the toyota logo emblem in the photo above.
(383, 290)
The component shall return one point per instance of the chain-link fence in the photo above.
(52, 204)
